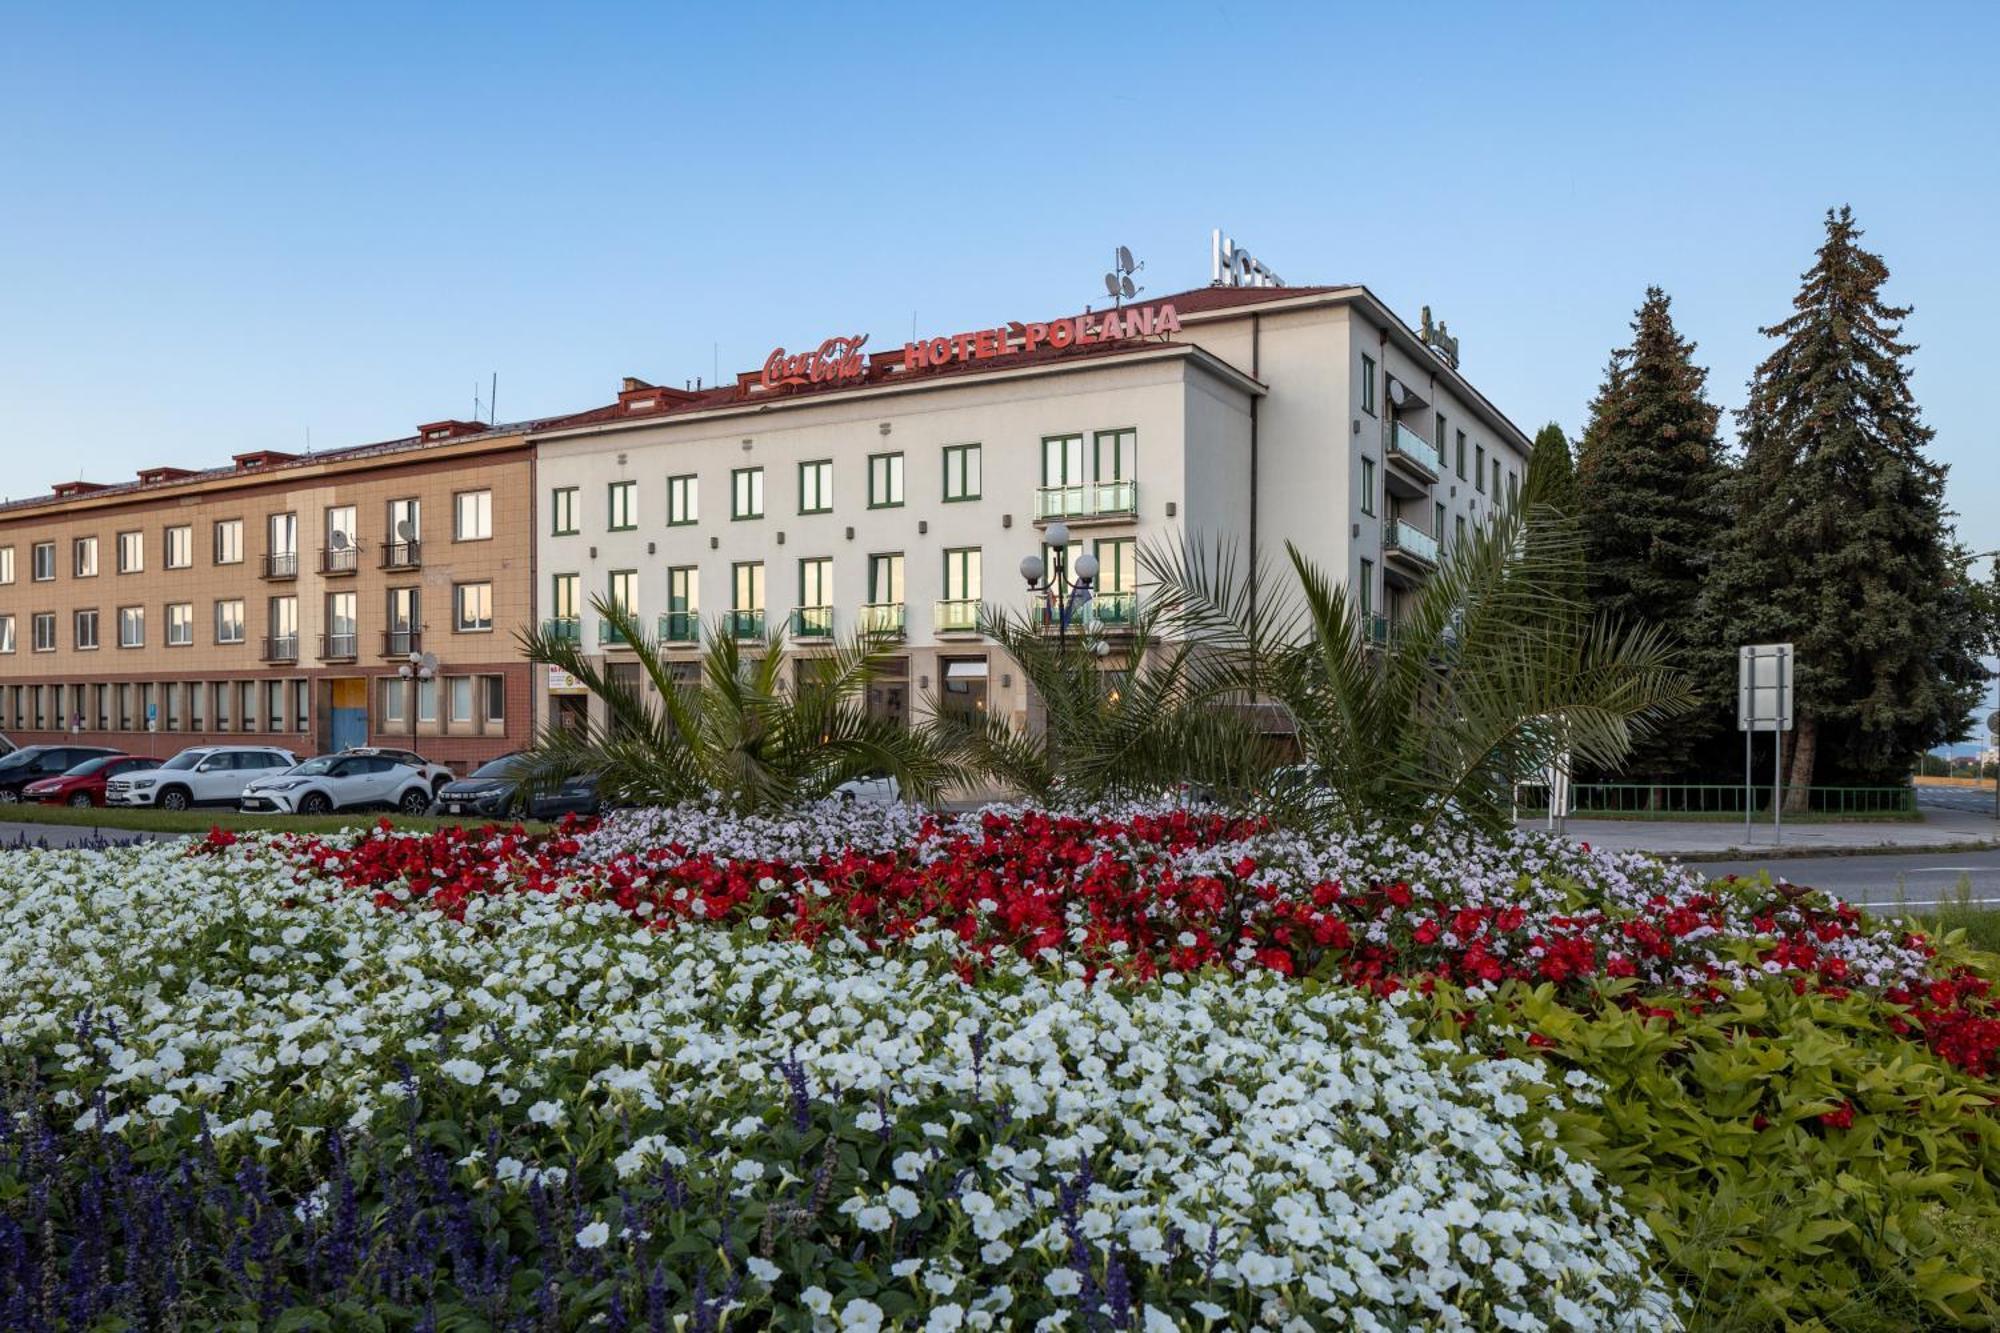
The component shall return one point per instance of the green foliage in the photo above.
(1497, 665)
(1553, 453)
(1846, 549)
(756, 734)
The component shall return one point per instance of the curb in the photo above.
(1823, 853)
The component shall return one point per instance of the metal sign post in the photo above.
(1764, 703)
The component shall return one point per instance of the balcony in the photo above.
(1408, 553)
(563, 629)
(746, 623)
(402, 555)
(1114, 610)
(812, 622)
(279, 566)
(1085, 502)
(680, 627)
(956, 616)
(1375, 630)
(402, 642)
(281, 648)
(336, 561)
(1415, 463)
(610, 636)
(338, 647)
(884, 619)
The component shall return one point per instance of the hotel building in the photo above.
(361, 596)
(896, 490)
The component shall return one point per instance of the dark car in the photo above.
(492, 791)
(84, 784)
(31, 763)
(576, 796)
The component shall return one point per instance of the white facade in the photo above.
(1255, 422)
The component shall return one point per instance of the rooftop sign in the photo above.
(1104, 326)
(836, 359)
(1233, 267)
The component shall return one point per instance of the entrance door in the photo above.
(573, 713)
(350, 713)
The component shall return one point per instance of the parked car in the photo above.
(492, 789)
(31, 763)
(344, 781)
(874, 789)
(202, 775)
(435, 775)
(84, 784)
(575, 796)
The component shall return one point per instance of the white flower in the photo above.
(874, 1218)
(817, 1300)
(468, 1072)
(747, 1170)
(546, 1113)
(1063, 1282)
(945, 1318)
(901, 1202)
(762, 1269)
(593, 1236)
(861, 1316)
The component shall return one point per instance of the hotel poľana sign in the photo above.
(1104, 326)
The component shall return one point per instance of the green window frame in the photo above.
(683, 501)
(1062, 460)
(1368, 384)
(684, 590)
(816, 581)
(885, 578)
(565, 596)
(1118, 462)
(1117, 564)
(1442, 434)
(1367, 586)
(1458, 531)
(885, 481)
(962, 472)
(1479, 468)
(1367, 485)
(562, 512)
(746, 493)
(621, 506)
(816, 486)
(746, 591)
(621, 589)
(1461, 455)
(962, 574)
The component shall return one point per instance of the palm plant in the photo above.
(746, 733)
(1138, 728)
(1497, 668)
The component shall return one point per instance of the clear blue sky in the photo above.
(221, 227)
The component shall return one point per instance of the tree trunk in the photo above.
(1798, 781)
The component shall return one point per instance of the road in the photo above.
(62, 835)
(1922, 878)
(1971, 799)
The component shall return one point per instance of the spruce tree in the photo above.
(1649, 497)
(1552, 451)
(1841, 543)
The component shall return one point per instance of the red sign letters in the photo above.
(837, 359)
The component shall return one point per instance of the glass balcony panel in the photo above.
(680, 626)
(882, 618)
(957, 616)
(1117, 497)
(812, 622)
(1402, 535)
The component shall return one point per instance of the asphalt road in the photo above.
(1957, 798)
(1922, 878)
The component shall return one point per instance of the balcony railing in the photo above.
(402, 555)
(958, 615)
(1099, 499)
(610, 636)
(281, 648)
(402, 642)
(745, 623)
(812, 622)
(563, 629)
(338, 647)
(680, 627)
(281, 565)
(1404, 536)
(882, 618)
(1376, 628)
(1403, 442)
(1108, 610)
(338, 560)
(1114, 609)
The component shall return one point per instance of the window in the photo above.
(1461, 455)
(197, 706)
(342, 533)
(406, 622)
(1367, 485)
(494, 690)
(1479, 468)
(225, 694)
(427, 702)
(562, 512)
(42, 558)
(1441, 435)
(85, 632)
(622, 591)
(961, 574)
(684, 591)
(682, 501)
(622, 506)
(885, 481)
(406, 522)
(229, 621)
(747, 586)
(473, 603)
(885, 578)
(816, 487)
(131, 627)
(564, 595)
(274, 707)
(179, 547)
(746, 493)
(961, 472)
(229, 542)
(1513, 487)
(473, 520)
(1458, 531)
(283, 613)
(84, 551)
(1117, 455)
(1367, 598)
(395, 701)
(341, 625)
(131, 552)
(284, 535)
(1437, 525)
(460, 700)
(1117, 567)
(6, 564)
(6, 634)
(816, 581)
(1368, 385)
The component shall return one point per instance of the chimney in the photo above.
(260, 458)
(153, 476)
(433, 431)
(65, 490)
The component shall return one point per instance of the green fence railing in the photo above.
(1655, 800)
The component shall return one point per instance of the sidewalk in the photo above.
(1723, 840)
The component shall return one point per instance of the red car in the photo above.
(84, 784)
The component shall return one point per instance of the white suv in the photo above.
(348, 781)
(204, 775)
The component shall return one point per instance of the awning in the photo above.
(965, 670)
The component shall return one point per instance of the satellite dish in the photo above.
(1397, 393)
(1111, 283)
(406, 530)
(1126, 288)
(428, 662)
(339, 541)
(1124, 261)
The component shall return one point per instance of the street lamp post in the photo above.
(1070, 587)
(420, 667)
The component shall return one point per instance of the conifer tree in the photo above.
(1841, 543)
(1552, 450)
(1649, 498)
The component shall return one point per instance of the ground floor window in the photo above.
(963, 692)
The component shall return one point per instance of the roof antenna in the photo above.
(476, 413)
(1118, 281)
(715, 365)
(309, 439)
(493, 402)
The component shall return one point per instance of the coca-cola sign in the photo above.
(834, 360)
